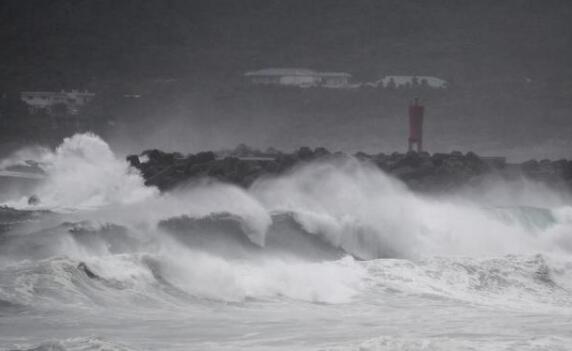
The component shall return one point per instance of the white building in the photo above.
(402, 81)
(299, 77)
(335, 79)
(46, 100)
(284, 76)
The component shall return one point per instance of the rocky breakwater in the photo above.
(420, 171)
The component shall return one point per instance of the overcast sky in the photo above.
(486, 49)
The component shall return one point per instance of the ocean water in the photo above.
(331, 256)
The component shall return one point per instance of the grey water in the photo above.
(332, 256)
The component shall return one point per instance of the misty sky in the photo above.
(508, 63)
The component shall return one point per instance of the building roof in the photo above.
(282, 72)
(334, 74)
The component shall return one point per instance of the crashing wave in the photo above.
(301, 236)
(459, 343)
(84, 173)
(508, 281)
(76, 344)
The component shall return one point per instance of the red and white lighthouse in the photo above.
(416, 126)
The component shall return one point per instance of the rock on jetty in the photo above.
(420, 171)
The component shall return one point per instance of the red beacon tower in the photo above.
(416, 125)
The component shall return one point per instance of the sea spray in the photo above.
(357, 207)
(83, 173)
(346, 203)
(337, 208)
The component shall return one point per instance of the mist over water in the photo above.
(83, 173)
(336, 241)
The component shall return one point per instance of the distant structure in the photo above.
(416, 112)
(299, 77)
(70, 101)
(412, 81)
(334, 79)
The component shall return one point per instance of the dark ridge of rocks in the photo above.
(420, 171)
